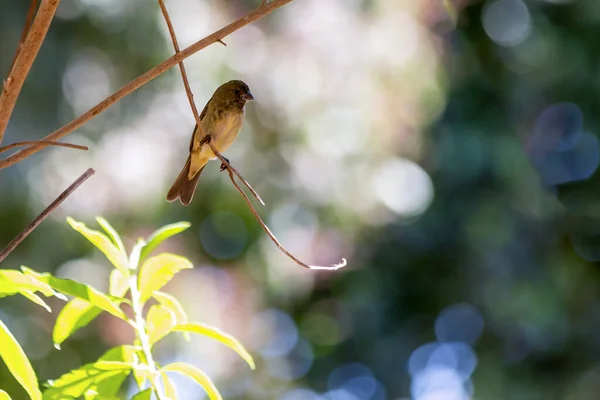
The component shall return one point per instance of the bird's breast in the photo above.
(224, 129)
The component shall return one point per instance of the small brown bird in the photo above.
(222, 119)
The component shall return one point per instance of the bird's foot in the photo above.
(205, 139)
(223, 166)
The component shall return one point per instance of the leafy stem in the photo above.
(142, 336)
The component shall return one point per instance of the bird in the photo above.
(222, 118)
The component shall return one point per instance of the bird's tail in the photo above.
(183, 188)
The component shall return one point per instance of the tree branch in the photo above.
(190, 95)
(38, 220)
(32, 142)
(22, 63)
(260, 12)
(28, 20)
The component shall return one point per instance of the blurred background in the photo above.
(448, 149)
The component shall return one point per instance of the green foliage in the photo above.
(17, 363)
(76, 314)
(102, 380)
(216, 334)
(158, 271)
(197, 375)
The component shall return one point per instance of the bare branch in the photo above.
(32, 142)
(222, 42)
(28, 20)
(24, 60)
(140, 81)
(190, 95)
(38, 220)
(332, 267)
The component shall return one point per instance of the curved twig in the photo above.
(332, 267)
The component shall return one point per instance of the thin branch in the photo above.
(28, 20)
(27, 54)
(140, 81)
(38, 220)
(32, 142)
(190, 95)
(332, 267)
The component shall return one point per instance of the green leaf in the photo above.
(104, 377)
(159, 321)
(119, 283)
(161, 235)
(103, 243)
(157, 271)
(172, 304)
(17, 363)
(84, 292)
(125, 353)
(143, 395)
(197, 375)
(13, 282)
(4, 395)
(216, 334)
(112, 233)
(76, 314)
(168, 387)
(36, 299)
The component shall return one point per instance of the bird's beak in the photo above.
(247, 96)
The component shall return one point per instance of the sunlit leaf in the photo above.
(168, 387)
(143, 395)
(172, 304)
(103, 243)
(216, 334)
(157, 271)
(119, 283)
(104, 377)
(13, 282)
(36, 299)
(112, 233)
(4, 395)
(76, 314)
(84, 292)
(161, 235)
(17, 363)
(197, 375)
(125, 353)
(159, 321)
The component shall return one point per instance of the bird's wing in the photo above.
(202, 114)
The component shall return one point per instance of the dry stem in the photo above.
(38, 220)
(31, 142)
(332, 267)
(190, 95)
(260, 12)
(22, 63)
